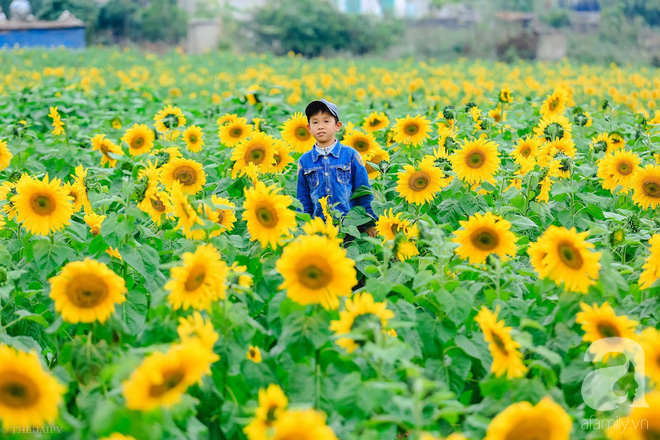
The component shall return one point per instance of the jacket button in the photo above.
(327, 174)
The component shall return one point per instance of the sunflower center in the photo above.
(315, 274)
(137, 142)
(419, 180)
(475, 159)
(624, 168)
(186, 175)
(43, 204)
(267, 216)
(195, 278)
(570, 255)
(608, 330)
(485, 239)
(553, 104)
(302, 134)
(256, 155)
(171, 379)
(236, 132)
(411, 129)
(253, 353)
(277, 158)
(18, 391)
(530, 428)
(361, 145)
(270, 414)
(86, 290)
(525, 151)
(396, 227)
(74, 195)
(157, 204)
(193, 139)
(374, 122)
(650, 434)
(652, 189)
(499, 343)
(221, 217)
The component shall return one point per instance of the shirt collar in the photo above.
(336, 147)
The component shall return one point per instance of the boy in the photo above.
(330, 168)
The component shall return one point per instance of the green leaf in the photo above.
(361, 191)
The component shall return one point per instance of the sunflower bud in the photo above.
(15, 177)
(469, 105)
(162, 157)
(634, 222)
(4, 276)
(493, 260)
(605, 104)
(449, 112)
(450, 144)
(580, 119)
(600, 147)
(443, 164)
(617, 236)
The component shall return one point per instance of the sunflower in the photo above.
(7, 191)
(195, 329)
(554, 104)
(81, 181)
(254, 354)
(222, 214)
(376, 121)
(168, 119)
(523, 421)
(603, 142)
(483, 235)
(419, 185)
(94, 221)
(651, 267)
(259, 149)
(477, 161)
(226, 118)
(497, 115)
(187, 172)
(156, 203)
(527, 149)
(412, 131)
(507, 358)
(388, 225)
(603, 323)
(139, 138)
(475, 114)
(646, 186)
(29, 395)
(375, 156)
(303, 424)
(235, 131)
(272, 404)
(564, 256)
(554, 127)
(108, 148)
(649, 355)
(505, 95)
(296, 134)
(316, 270)
(267, 214)
(281, 155)
(618, 169)
(42, 205)
(317, 226)
(194, 138)
(5, 155)
(199, 281)
(58, 125)
(162, 378)
(75, 193)
(642, 423)
(116, 435)
(364, 143)
(86, 291)
(363, 315)
(551, 149)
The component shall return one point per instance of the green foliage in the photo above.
(314, 28)
(50, 10)
(556, 18)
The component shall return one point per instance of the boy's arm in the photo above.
(303, 193)
(361, 178)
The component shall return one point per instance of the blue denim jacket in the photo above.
(336, 175)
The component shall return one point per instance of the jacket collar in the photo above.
(335, 151)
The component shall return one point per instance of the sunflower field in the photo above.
(158, 279)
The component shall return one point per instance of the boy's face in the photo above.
(323, 127)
